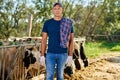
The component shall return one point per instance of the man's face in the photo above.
(57, 11)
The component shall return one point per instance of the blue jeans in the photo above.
(57, 60)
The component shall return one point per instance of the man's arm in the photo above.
(43, 43)
(71, 44)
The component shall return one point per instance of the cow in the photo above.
(70, 70)
(31, 62)
(77, 54)
(83, 55)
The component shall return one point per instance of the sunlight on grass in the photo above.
(94, 49)
(116, 48)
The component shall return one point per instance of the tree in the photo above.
(12, 14)
(42, 12)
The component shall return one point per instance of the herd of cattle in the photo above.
(22, 62)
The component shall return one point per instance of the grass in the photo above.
(94, 49)
(116, 48)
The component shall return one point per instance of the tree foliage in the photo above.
(93, 17)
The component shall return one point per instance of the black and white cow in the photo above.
(31, 62)
(83, 55)
(77, 54)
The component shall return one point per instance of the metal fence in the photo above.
(11, 61)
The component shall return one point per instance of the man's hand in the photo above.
(42, 61)
(69, 61)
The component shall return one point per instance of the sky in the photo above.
(84, 2)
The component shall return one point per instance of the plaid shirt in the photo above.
(65, 30)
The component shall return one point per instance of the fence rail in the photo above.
(31, 44)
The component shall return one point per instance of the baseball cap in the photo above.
(57, 3)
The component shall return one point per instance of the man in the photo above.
(60, 35)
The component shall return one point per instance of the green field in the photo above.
(94, 49)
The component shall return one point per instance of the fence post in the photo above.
(29, 25)
(4, 58)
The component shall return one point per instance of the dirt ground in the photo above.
(104, 67)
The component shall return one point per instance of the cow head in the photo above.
(29, 57)
(68, 70)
